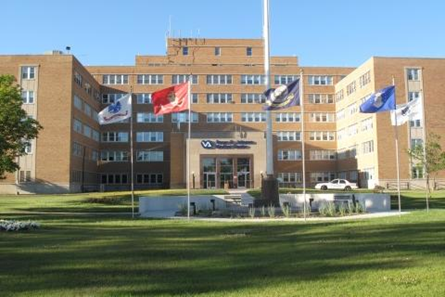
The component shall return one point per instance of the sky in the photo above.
(320, 32)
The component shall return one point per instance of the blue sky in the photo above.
(320, 33)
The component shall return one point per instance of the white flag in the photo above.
(116, 112)
(405, 112)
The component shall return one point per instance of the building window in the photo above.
(150, 156)
(95, 135)
(249, 51)
(284, 79)
(413, 74)
(195, 98)
(88, 89)
(321, 117)
(322, 136)
(94, 155)
(77, 102)
(87, 131)
(183, 117)
(219, 117)
(217, 51)
(351, 88)
(150, 136)
(24, 176)
(250, 79)
(413, 96)
(321, 98)
(114, 156)
(339, 96)
(144, 98)
(219, 79)
(417, 172)
(77, 126)
(77, 149)
(150, 79)
(289, 177)
(28, 148)
(352, 109)
(253, 117)
(114, 136)
(149, 117)
(185, 50)
(78, 78)
(219, 98)
(87, 109)
(115, 79)
(317, 155)
(28, 72)
(149, 178)
(111, 98)
(289, 136)
(368, 147)
(367, 124)
(317, 177)
(252, 98)
(182, 78)
(353, 151)
(28, 97)
(415, 124)
(287, 117)
(416, 142)
(365, 79)
(120, 178)
(352, 130)
(320, 80)
(289, 155)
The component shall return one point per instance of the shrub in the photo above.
(285, 208)
(183, 209)
(359, 208)
(342, 208)
(263, 211)
(106, 200)
(252, 212)
(271, 211)
(327, 209)
(332, 209)
(17, 225)
(350, 208)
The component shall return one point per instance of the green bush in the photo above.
(252, 212)
(342, 209)
(271, 211)
(106, 200)
(285, 208)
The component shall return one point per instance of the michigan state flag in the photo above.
(283, 97)
(382, 100)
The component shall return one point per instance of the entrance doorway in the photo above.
(226, 172)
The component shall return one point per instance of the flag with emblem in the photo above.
(382, 100)
(410, 111)
(284, 96)
(116, 112)
(170, 100)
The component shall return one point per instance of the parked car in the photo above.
(337, 184)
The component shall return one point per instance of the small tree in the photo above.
(16, 128)
(432, 159)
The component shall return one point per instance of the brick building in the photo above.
(74, 153)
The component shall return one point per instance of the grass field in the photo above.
(92, 255)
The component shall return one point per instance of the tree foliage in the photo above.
(16, 127)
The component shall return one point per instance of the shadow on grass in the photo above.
(146, 258)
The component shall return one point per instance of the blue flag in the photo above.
(283, 97)
(382, 100)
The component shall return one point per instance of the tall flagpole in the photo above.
(397, 150)
(131, 155)
(269, 143)
(188, 144)
(302, 142)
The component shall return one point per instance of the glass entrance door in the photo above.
(226, 173)
(243, 172)
(209, 181)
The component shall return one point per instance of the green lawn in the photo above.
(106, 255)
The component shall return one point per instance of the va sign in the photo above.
(231, 144)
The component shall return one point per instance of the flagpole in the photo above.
(131, 154)
(303, 162)
(397, 150)
(188, 145)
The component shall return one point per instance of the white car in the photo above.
(337, 184)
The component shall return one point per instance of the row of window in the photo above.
(78, 79)
(123, 178)
(85, 108)
(365, 125)
(214, 79)
(86, 130)
(351, 152)
(81, 151)
(217, 51)
(296, 177)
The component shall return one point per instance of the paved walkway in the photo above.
(309, 219)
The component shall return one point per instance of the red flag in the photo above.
(172, 99)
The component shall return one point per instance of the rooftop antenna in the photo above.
(68, 48)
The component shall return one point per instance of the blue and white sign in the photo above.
(230, 144)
